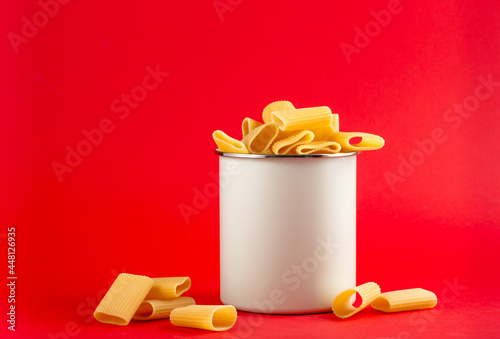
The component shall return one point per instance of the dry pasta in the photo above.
(342, 306)
(160, 309)
(321, 134)
(207, 317)
(275, 106)
(123, 299)
(405, 300)
(260, 138)
(166, 288)
(317, 147)
(335, 122)
(368, 141)
(228, 144)
(248, 125)
(303, 118)
(288, 140)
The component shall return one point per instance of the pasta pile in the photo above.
(142, 298)
(288, 130)
(395, 301)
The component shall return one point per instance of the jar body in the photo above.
(287, 232)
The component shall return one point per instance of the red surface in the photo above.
(117, 209)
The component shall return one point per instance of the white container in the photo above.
(287, 231)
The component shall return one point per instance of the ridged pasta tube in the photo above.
(207, 317)
(368, 141)
(170, 287)
(405, 300)
(228, 144)
(260, 139)
(160, 309)
(317, 147)
(288, 140)
(303, 118)
(123, 299)
(275, 106)
(249, 124)
(342, 306)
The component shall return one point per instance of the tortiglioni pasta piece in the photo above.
(342, 306)
(335, 122)
(289, 140)
(249, 124)
(228, 144)
(303, 118)
(207, 317)
(171, 287)
(123, 299)
(159, 309)
(275, 106)
(320, 134)
(368, 141)
(405, 300)
(317, 147)
(261, 138)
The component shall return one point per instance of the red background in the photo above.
(118, 210)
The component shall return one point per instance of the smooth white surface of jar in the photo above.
(287, 231)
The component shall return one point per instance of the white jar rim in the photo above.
(276, 156)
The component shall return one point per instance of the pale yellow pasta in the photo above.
(275, 106)
(405, 300)
(166, 288)
(123, 299)
(160, 309)
(260, 139)
(368, 141)
(303, 118)
(248, 125)
(317, 147)
(335, 122)
(342, 306)
(287, 140)
(228, 144)
(321, 134)
(207, 317)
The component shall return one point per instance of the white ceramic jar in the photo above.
(287, 231)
